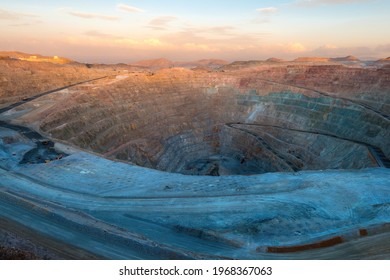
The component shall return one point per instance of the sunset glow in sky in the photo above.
(130, 30)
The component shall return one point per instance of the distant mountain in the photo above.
(347, 58)
(311, 59)
(384, 59)
(212, 63)
(165, 63)
(158, 63)
(34, 57)
(202, 69)
(275, 59)
(237, 65)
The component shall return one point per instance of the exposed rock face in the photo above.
(116, 210)
(311, 59)
(34, 57)
(266, 118)
(21, 79)
(244, 118)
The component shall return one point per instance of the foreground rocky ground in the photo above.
(110, 208)
(15, 254)
(314, 136)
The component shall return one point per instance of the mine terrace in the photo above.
(203, 160)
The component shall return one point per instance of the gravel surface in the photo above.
(13, 246)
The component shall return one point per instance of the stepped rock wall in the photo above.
(21, 79)
(186, 121)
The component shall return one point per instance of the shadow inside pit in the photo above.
(43, 153)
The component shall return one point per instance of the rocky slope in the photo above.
(21, 78)
(34, 57)
(318, 130)
(243, 119)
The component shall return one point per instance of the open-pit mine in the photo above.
(205, 160)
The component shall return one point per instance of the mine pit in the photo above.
(222, 123)
(246, 149)
(143, 163)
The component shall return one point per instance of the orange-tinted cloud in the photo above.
(11, 15)
(95, 33)
(294, 47)
(87, 15)
(161, 23)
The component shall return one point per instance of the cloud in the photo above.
(112, 40)
(95, 33)
(161, 23)
(162, 20)
(311, 3)
(220, 30)
(295, 47)
(329, 47)
(224, 30)
(205, 39)
(153, 42)
(264, 15)
(200, 47)
(23, 24)
(10, 15)
(91, 15)
(267, 11)
(145, 44)
(129, 9)
(328, 50)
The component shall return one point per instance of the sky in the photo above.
(131, 30)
